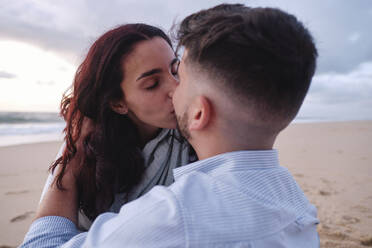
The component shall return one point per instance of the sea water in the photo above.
(30, 127)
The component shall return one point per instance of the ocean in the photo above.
(30, 127)
(33, 127)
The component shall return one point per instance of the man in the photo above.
(243, 77)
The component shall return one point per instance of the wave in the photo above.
(29, 117)
(30, 127)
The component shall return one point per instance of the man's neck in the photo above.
(209, 147)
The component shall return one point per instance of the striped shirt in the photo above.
(236, 199)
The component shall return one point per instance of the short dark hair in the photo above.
(264, 55)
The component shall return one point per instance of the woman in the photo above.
(118, 120)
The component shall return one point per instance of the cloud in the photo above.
(341, 95)
(354, 37)
(36, 24)
(45, 83)
(69, 27)
(7, 75)
(341, 87)
(337, 87)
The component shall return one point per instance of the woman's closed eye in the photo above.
(153, 85)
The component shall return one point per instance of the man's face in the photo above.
(181, 98)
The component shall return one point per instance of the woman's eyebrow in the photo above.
(156, 70)
(149, 73)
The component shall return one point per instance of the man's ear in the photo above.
(200, 113)
(119, 107)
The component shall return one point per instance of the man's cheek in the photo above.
(174, 98)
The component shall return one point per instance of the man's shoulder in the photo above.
(244, 205)
(153, 220)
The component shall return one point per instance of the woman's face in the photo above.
(150, 73)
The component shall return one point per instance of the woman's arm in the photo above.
(64, 203)
(56, 202)
(50, 178)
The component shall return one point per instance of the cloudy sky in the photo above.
(42, 43)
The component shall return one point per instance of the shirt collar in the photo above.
(238, 160)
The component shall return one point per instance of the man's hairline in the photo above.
(218, 90)
(211, 87)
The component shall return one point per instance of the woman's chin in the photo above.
(171, 124)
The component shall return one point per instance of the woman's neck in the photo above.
(147, 133)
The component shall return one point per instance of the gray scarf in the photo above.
(161, 155)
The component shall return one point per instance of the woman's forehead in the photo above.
(148, 55)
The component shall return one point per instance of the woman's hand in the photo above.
(75, 164)
(58, 202)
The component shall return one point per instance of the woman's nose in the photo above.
(173, 85)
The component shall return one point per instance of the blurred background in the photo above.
(42, 43)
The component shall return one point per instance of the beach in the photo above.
(23, 171)
(331, 161)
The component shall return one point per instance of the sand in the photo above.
(23, 171)
(332, 162)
